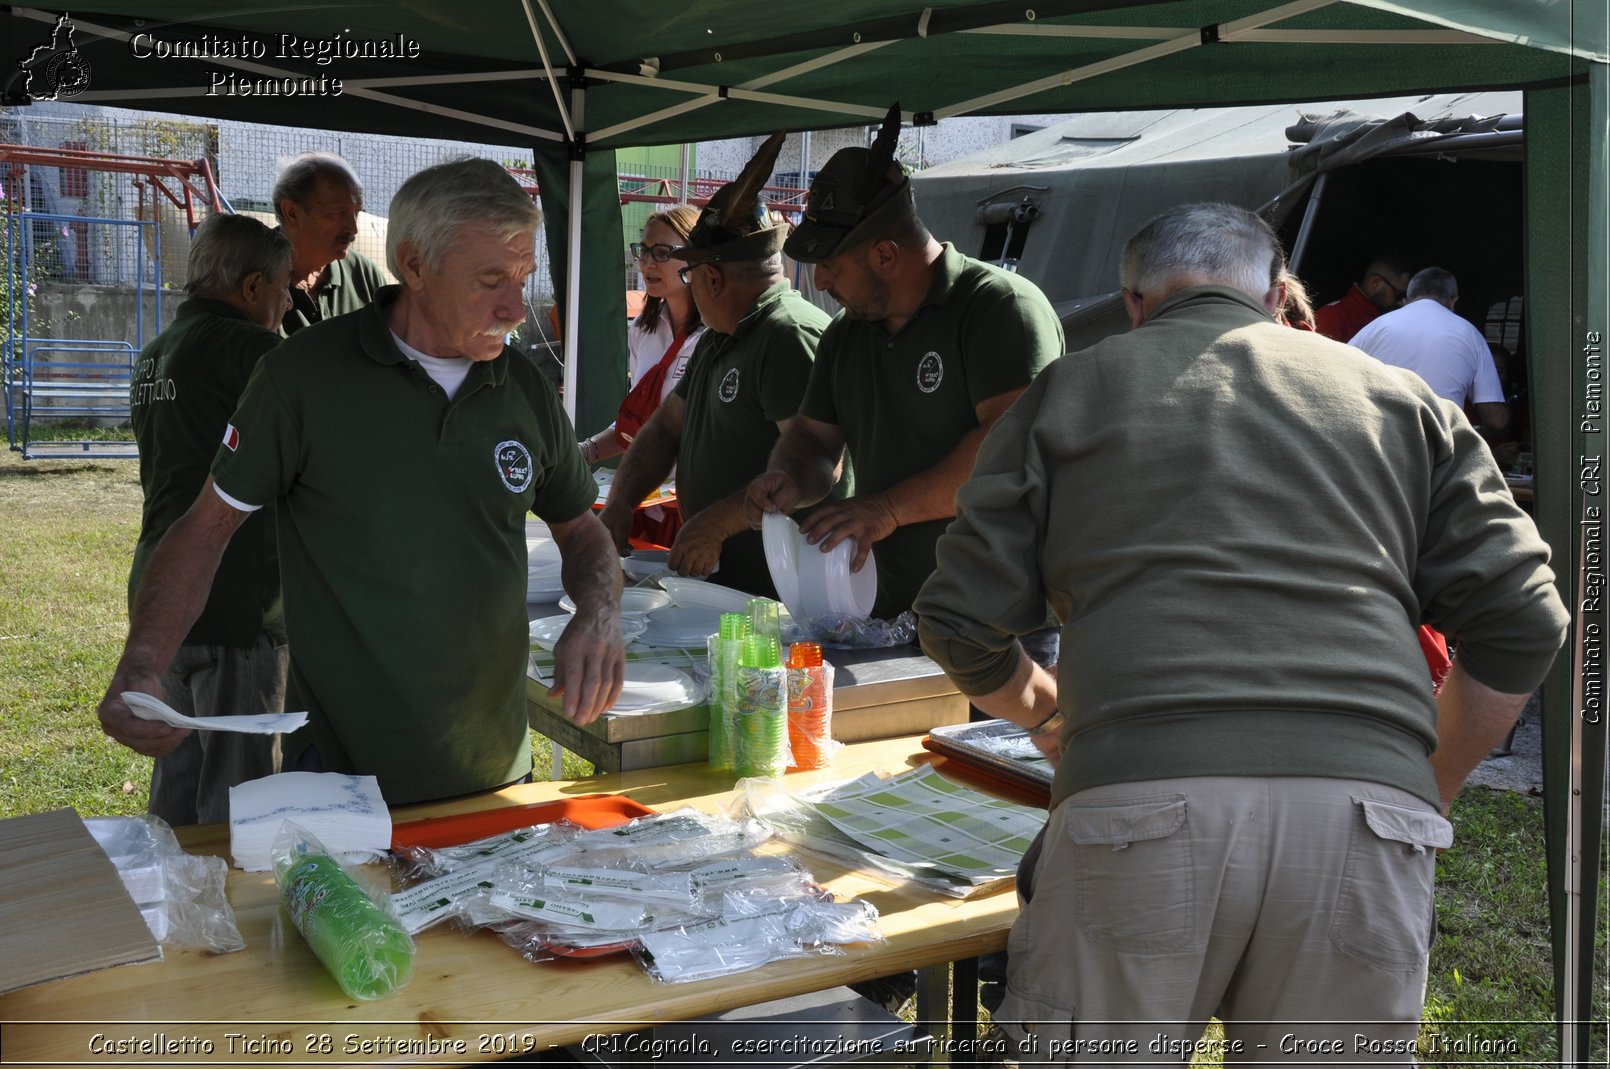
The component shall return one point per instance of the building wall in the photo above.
(919, 147)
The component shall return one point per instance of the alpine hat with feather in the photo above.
(735, 224)
(855, 197)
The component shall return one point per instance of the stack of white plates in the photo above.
(636, 601)
(646, 564)
(546, 631)
(543, 565)
(651, 688)
(813, 583)
(681, 627)
(698, 594)
(543, 581)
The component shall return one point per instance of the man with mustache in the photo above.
(404, 445)
(317, 200)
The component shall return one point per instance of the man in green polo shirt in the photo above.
(186, 384)
(740, 393)
(931, 347)
(404, 445)
(317, 199)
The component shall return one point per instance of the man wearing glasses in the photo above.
(741, 390)
(1383, 287)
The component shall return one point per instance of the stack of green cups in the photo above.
(763, 618)
(725, 651)
(760, 735)
(363, 946)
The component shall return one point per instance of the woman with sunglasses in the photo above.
(661, 338)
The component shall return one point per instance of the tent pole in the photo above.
(573, 262)
(682, 185)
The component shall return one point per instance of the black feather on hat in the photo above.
(735, 224)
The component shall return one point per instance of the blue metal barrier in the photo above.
(49, 378)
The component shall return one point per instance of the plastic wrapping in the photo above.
(180, 895)
(725, 650)
(537, 840)
(810, 708)
(667, 840)
(754, 931)
(854, 633)
(458, 876)
(362, 946)
(760, 728)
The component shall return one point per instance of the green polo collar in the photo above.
(195, 306)
(947, 269)
(762, 307)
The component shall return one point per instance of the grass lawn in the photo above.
(67, 530)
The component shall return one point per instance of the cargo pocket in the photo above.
(1134, 873)
(1039, 1029)
(1385, 915)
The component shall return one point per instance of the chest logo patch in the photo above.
(728, 390)
(514, 464)
(930, 372)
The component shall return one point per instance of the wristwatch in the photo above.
(1051, 725)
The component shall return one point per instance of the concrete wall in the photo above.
(70, 310)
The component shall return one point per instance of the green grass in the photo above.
(67, 529)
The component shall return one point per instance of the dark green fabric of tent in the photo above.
(572, 81)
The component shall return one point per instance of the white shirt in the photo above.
(647, 348)
(1441, 347)
(447, 372)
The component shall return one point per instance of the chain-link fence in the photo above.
(244, 158)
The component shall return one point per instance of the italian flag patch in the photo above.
(231, 438)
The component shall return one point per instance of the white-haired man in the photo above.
(186, 384)
(317, 199)
(1253, 771)
(404, 445)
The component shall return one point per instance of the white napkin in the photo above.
(346, 813)
(148, 708)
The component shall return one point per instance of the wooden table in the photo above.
(471, 997)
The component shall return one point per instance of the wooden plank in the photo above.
(63, 909)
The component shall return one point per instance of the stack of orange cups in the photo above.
(810, 707)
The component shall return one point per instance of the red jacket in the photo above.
(1344, 318)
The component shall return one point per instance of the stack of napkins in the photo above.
(346, 813)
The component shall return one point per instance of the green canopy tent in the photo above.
(573, 81)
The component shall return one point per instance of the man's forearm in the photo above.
(1028, 699)
(1472, 719)
(726, 516)
(802, 455)
(590, 568)
(175, 584)
(645, 467)
(931, 494)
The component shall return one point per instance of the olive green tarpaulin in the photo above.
(511, 72)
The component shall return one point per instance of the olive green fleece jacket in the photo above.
(1241, 526)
